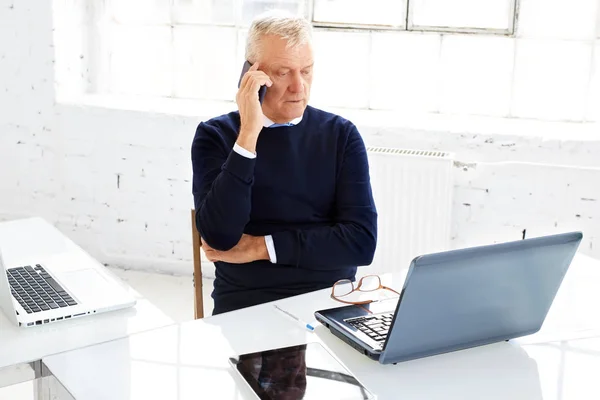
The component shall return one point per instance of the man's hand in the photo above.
(248, 249)
(251, 115)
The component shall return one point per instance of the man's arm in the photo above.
(222, 180)
(352, 239)
(222, 187)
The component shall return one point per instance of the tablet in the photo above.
(305, 371)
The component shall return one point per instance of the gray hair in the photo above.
(296, 30)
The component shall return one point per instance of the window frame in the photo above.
(409, 26)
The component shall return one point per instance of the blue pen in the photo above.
(304, 324)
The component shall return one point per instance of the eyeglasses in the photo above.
(368, 283)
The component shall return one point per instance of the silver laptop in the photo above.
(460, 299)
(36, 294)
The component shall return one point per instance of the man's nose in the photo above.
(297, 84)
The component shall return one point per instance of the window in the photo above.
(194, 49)
(167, 48)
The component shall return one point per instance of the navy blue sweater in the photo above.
(308, 187)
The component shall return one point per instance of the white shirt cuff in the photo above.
(243, 152)
(271, 248)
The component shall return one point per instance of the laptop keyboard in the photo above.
(36, 290)
(374, 326)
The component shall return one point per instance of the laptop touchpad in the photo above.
(86, 285)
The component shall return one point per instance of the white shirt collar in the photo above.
(267, 122)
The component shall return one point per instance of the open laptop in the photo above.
(37, 294)
(460, 299)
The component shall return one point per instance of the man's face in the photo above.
(291, 70)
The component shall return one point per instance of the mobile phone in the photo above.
(263, 88)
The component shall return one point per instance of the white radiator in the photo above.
(413, 195)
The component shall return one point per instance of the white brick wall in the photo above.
(496, 202)
(63, 162)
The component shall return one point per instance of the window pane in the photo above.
(414, 66)
(219, 12)
(361, 12)
(341, 79)
(71, 12)
(488, 14)
(557, 19)
(240, 55)
(199, 76)
(140, 61)
(551, 79)
(140, 11)
(476, 72)
(594, 100)
(598, 22)
(251, 8)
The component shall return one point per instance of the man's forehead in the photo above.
(288, 59)
(291, 64)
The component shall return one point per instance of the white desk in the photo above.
(189, 361)
(33, 240)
